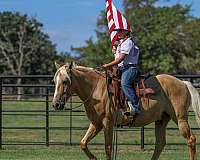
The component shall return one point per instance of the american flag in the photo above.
(115, 21)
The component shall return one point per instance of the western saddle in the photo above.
(114, 88)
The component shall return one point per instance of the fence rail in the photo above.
(47, 113)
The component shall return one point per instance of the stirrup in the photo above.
(127, 113)
(132, 113)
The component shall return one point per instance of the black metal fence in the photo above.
(44, 82)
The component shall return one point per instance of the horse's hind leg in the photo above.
(160, 132)
(182, 104)
(91, 133)
(191, 140)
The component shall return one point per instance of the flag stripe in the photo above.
(115, 38)
(124, 22)
(115, 16)
(108, 14)
(113, 34)
(110, 23)
(112, 28)
(120, 20)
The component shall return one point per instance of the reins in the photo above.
(70, 68)
(115, 136)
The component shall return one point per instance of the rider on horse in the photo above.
(126, 58)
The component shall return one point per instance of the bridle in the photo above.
(69, 88)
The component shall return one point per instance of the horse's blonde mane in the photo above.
(79, 68)
(82, 68)
(89, 69)
(59, 69)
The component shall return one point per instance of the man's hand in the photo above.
(106, 66)
(109, 66)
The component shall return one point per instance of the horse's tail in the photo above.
(195, 100)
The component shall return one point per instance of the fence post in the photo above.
(1, 114)
(142, 138)
(47, 116)
(70, 122)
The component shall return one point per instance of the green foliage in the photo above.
(168, 38)
(96, 53)
(24, 47)
(165, 43)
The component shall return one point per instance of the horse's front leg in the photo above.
(91, 133)
(108, 133)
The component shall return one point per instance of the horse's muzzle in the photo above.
(59, 105)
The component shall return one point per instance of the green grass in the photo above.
(125, 152)
(74, 153)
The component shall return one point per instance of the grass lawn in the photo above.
(74, 153)
(60, 119)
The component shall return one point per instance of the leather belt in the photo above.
(128, 66)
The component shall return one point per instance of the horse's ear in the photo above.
(72, 64)
(57, 65)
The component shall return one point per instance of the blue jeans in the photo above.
(128, 76)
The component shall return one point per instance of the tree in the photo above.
(164, 41)
(166, 37)
(24, 48)
(23, 45)
(96, 53)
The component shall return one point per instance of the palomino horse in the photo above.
(171, 101)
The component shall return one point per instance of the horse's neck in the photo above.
(85, 83)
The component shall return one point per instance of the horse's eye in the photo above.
(65, 82)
